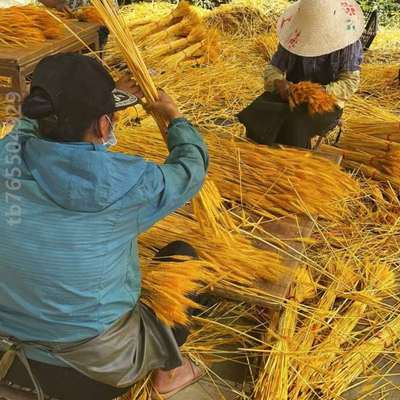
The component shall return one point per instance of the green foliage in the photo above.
(389, 10)
(209, 3)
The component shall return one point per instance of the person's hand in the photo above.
(129, 85)
(165, 107)
(282, 88)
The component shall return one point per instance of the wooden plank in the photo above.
(335, 158)
(288, 230)
(10, 56)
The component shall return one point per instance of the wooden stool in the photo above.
(19, 62)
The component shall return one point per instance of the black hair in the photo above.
(66, 130)
(38, 106)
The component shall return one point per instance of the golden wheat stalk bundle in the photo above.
(27, 25)
(167, 286)
(369, 115)
(182, 29)
(316, 98)
(184, 40)
(274, 180)
(359, 358)
(117, 26)
(197, 34)
(239, 269)
(380, 154)
(368, 144)
(180, 12)
(379, 282)
(273, 381)
(343, 277)
(174, 60)
(379, 78)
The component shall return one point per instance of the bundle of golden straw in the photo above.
(271, 182)
(117, 26)
(368, 117)
(379, 77)
(316, 98)
(371, 140)
(88, 14)
(273, 380)
(236, 270)
(167, 286)
(178, 38)
(21, 26)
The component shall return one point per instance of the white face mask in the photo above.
(112, 139)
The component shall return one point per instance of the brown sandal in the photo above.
(188, 368)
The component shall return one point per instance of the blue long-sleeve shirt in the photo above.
(70, 215)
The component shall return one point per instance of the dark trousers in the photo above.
(65, 383)
(270, 121)
(300, 127)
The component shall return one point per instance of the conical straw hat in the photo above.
(312, 28)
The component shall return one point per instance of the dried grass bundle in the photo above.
(273, 381)
(183, 10)
(246, 19)
(178, 38)
(237, 261)
(380, 78)
(318, 101)
(88, 14)
(271, 182)
(358, 359)
(22, 26)
(166, 286)
(116, 24)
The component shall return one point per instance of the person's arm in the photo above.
(272, 74)
(348, 81)
(275, 72)
(168, 187)
(344, 87)
(164, 188)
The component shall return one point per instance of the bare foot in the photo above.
(165, 382)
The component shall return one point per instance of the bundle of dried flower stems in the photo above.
(22, 26)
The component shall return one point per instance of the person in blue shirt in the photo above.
(71, 212)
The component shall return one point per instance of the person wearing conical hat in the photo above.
(319, 41)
